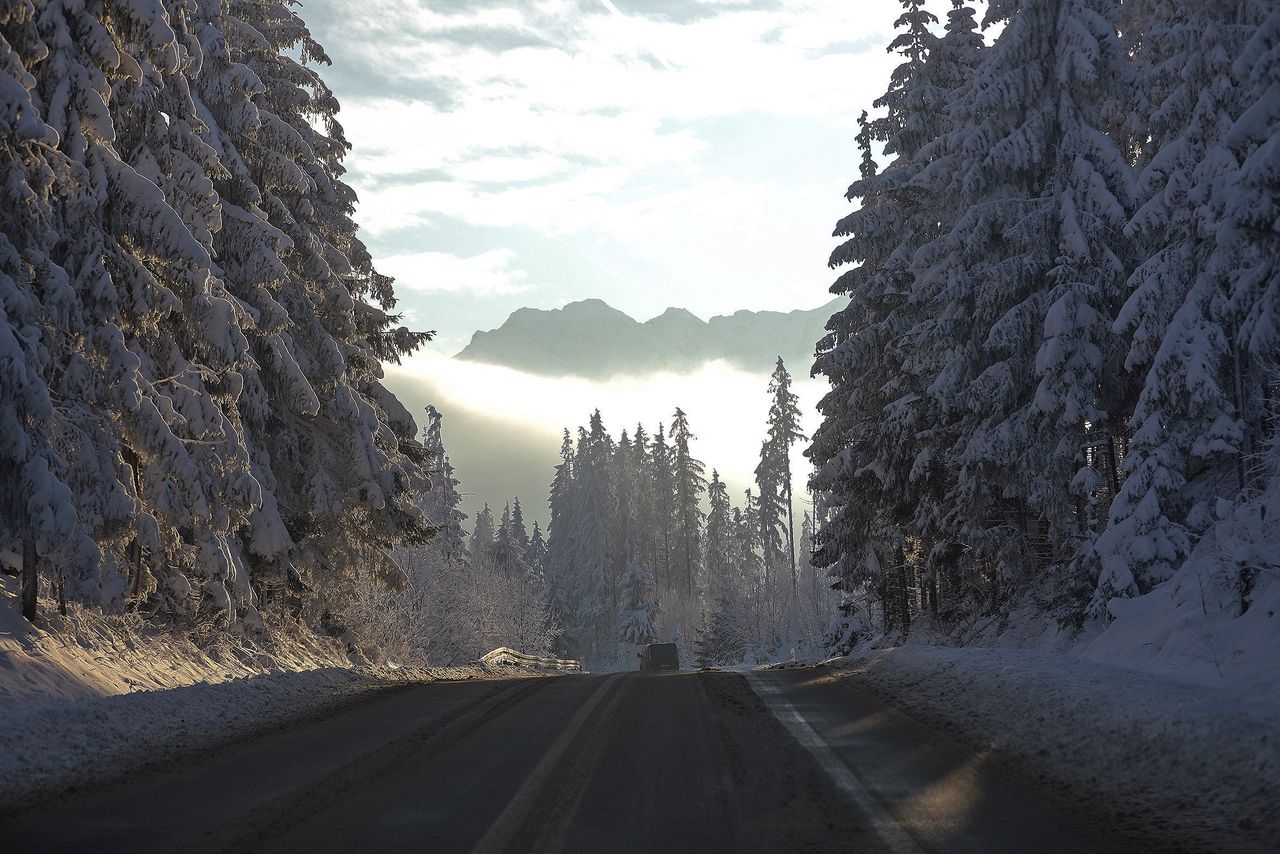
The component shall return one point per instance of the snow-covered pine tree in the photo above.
(481, 543)
(342, 451)
(689, 486)
(769, 517)
(638, 605)
(153, 462)
(1186, 435)
(504, 556)
(519, 533)
(37, 511)
(442, 501)
(1248, 251)
(1247, 259)
(1083, 388)
(557, 574)
(535, 554)
(1034, 273)
(858, 451)
(621, 515)
(847, 357)
(812, 583)
(594, 611)
(195, 352)
(934, 347)
(276, 392)
(784, 431)
(664, 509)
(645, 534)
(718, 540)
(751, 567)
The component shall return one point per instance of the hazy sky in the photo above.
(648, 152)
(652, 153)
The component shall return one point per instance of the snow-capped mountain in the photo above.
(592, 339)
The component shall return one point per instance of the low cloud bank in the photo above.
(502, 427)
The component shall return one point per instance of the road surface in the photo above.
(701, 762)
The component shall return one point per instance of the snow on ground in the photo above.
(93, 697)
(87, 654)
(1192, 627)
(1205, 760)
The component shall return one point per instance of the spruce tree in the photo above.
(519, 534)
(1035, 302)
(482, 535)
(689, 486)
(644, 530)
(719, 538)
(557, 576)
(342, 450)
(535, 555)
(664, 507)
(593, 604)
(1184, 418)
(639, 606)
(441, 504)
(504, 554)
(784, 431)
(37, 509)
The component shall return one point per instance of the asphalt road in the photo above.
(699, 762)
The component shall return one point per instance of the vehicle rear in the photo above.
(659, 656)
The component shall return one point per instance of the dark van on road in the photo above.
(659, 656)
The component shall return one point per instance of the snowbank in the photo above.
(1194, 626)
(94, 697)
(1205, 761)
(88, 654)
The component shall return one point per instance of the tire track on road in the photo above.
(567, 796)
(268, 827)
(497, 840)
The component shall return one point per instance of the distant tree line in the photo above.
(641, 546)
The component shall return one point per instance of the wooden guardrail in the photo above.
(511, 658)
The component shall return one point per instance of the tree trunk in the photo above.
(30, 579)
(884, 604)
(666, 555)
(791, 526)
(904, 594)
(135, 546)
(1113, 468)
(933, 593)
(1237, 393)
(688, 559)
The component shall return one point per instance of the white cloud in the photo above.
(584, 112)
(487, 274)
(709, 178)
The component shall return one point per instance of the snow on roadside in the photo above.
(1206, 761)
(50, 747)
(90, 654)
(96, 696)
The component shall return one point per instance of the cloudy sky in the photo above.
(652, 153)
(648, 152)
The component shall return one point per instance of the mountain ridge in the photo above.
(592, 339)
